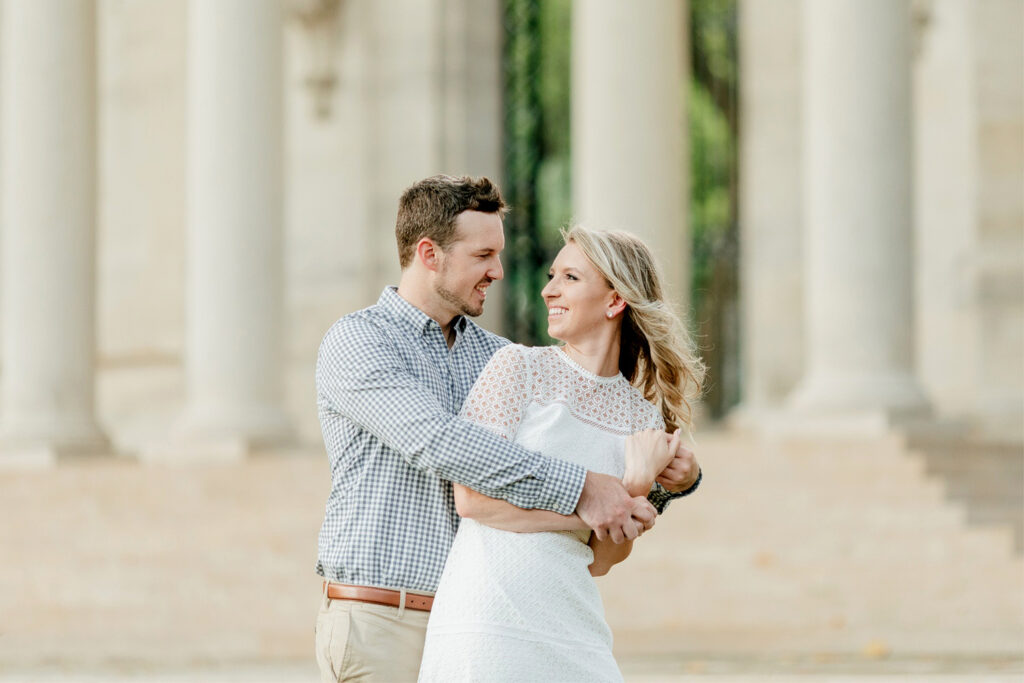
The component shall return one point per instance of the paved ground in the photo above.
(204, 573)
(657, 669)
(287, 675)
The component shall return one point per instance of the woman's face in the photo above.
(577, 296)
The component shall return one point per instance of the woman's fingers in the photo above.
(674, 443)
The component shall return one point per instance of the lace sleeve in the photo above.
(648, 416)
(499, 397)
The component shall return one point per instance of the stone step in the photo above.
(816, 557)
(152, 563)
(975, 551)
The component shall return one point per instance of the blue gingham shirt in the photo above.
(388, 392)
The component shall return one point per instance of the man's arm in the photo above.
(361, 376)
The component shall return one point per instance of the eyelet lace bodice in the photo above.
(517, 376)
(523, 606)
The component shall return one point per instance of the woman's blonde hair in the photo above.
(657, 354)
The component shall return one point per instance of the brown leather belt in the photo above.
(378, 596)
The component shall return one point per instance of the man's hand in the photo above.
(682, 470)
(606, 508)
(644, 513)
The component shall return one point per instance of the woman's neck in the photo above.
(599, 356)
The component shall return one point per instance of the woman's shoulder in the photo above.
(510, 357)
(522, 353)
(525, 361)
(648, 415)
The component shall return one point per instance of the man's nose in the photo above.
(496, 272)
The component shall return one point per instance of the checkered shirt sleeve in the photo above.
(362, 377)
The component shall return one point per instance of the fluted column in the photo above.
(49, 230)
(628, 122)
(234, 265)
(858, 277)
(771, 219)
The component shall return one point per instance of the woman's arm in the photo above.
(646, 453)
(607, 554)
(503, 515)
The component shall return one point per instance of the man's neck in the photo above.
(422, 297)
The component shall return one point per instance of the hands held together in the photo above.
(620, 510)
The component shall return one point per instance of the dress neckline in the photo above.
(560, 351)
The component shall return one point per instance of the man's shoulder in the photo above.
(488, 340)
(367, 325)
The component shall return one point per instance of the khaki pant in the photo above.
(359, 641)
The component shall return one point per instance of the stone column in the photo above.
(234, 290)
(628, 123)
(431, 103)
(771, 217)
(49, 229)
(858, 276)
(998, 279)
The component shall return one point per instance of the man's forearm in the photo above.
(368, 390)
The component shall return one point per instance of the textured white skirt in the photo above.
(518, 607)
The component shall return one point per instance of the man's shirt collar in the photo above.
(418, 321)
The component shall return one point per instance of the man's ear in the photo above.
(428, 253)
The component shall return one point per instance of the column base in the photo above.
(749, 417)
(219, 435)
(844, 406)
(28, 446)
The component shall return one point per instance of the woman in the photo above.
(524, 606)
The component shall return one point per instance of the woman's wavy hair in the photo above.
(657, 354)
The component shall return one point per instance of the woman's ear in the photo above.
(428, 253)
(616, 307)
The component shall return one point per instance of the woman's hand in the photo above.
(647, 454)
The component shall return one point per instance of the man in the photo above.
(390, 381)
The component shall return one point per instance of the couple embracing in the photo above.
(478, 486)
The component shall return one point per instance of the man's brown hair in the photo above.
(429, 208)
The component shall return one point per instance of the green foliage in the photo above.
(539, 171)
(711, 212)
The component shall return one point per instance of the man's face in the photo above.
(471, 263)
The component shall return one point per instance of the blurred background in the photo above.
(192, 192)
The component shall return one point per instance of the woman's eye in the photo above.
(572, 277)
(551, 276)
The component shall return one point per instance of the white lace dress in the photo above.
(523, 606)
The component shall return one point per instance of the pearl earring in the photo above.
(609, 314)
